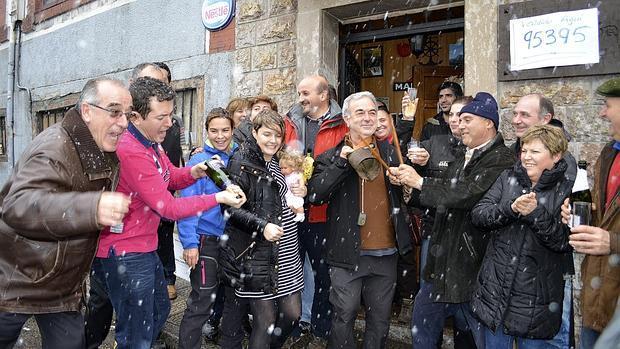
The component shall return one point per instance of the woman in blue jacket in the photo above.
(200, 235)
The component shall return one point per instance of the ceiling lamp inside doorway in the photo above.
(417, 44)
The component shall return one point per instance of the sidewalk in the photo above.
(399, 337)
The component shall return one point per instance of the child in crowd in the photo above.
(291, 165)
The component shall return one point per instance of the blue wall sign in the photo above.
(217, 14)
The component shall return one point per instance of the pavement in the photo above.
(399, 337)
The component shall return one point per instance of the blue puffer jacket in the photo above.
(212, 221)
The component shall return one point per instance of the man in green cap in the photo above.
(601, 241)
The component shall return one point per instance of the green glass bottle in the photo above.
(217, 174)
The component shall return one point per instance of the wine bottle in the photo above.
(581, 189)
(217, 175)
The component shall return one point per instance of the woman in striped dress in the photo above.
(263, 231)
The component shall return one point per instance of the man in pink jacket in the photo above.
(126, 257)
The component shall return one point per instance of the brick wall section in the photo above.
(265, 60)
(38, 12)
(223, 40)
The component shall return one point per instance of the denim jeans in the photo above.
(500, 340)
(588, 338)
(429, 317)
(138, 291)
(423, 257)
(311, 241)
(562, 338)
(307, 295)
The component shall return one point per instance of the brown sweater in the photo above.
(378, 232)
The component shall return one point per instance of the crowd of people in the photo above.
(317, 218)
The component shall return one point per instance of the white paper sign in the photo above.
(182, 269)
(555, 39)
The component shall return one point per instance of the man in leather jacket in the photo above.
(53, 207)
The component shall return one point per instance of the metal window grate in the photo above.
(186, 104)
(2, 135)
(47, 118)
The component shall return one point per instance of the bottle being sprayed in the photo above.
(217, 174)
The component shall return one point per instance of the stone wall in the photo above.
(576, 104)
(265, 59)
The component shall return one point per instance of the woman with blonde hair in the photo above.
(520, 285)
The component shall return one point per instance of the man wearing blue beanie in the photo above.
(456, 247)
(484, 106)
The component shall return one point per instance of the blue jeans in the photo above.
(429, 317)
(312, 242)
(138, 291)
(307, 295)
(423, 257)
(562, 338)
(500, 340)
(588, 338)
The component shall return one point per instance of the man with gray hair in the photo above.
(366, 225)
(53, 206)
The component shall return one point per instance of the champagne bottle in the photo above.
(217, 175)
(581, 189)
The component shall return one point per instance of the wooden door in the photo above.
(427, 79)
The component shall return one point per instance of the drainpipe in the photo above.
(10, 107)
(16, 14)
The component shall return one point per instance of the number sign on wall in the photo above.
(556, 39)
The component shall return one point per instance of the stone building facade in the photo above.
(267, 49)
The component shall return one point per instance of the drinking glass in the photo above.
(582, 213)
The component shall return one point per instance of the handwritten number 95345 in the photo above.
(551, 36)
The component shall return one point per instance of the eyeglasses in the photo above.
(115, 113)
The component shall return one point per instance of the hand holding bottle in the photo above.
(234, 197)
(199, 170)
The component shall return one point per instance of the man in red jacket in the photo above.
(313, 126)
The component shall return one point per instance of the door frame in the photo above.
(391, 33)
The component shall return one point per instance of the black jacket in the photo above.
(443, 150)
(334, 181)
(457, 247)
(520, 284)
(434, 126)
(568, 266)
(243, 131)
(245, 225)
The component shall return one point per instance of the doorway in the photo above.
(385, 56)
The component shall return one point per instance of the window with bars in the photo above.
(46, 118)
(187, 109)
(3, 150)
